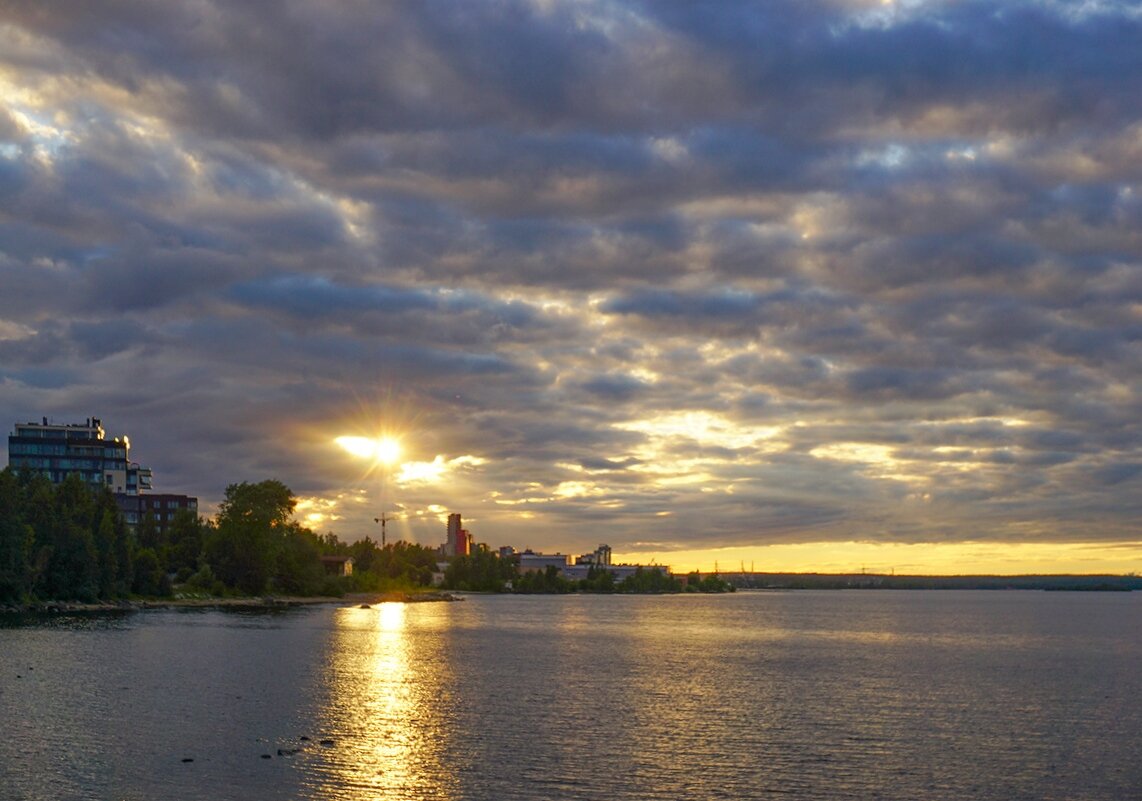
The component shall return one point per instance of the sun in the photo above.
(384, 450)
(387, 450)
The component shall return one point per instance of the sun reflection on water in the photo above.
(383, 716)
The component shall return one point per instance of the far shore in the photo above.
(263, 602)
(742, 581)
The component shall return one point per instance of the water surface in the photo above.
(804, 695)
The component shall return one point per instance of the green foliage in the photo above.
(250, 534)
(397, 566)
(711, 583)
(599, 579)
(105, 548)
(66, 540)
(202, 579)
(482, 571)
(147, 532)
(649, 580)
(267, 504)
(16, 539)
(150, 578)
(545, 581)
(413, 563)
(184, 541)
(70, 542)
(299, 570)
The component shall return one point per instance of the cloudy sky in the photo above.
(807, 285)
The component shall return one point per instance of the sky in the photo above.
(789, 285)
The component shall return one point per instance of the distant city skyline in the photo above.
(812, 285)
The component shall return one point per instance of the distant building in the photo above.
(57, 451)
(600, 557)
(583, 564)
(160, 507)
(529, 561)
(338, 565)
(620, 572)
(459, 542)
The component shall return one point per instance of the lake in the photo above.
(754, 695)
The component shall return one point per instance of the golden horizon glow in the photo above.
(930, 559)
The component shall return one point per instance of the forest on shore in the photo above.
(71, 542)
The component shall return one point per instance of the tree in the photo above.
(147, 531)
(15, 540)
(250, 533)
(267, 504)
(108, 562)
(547, 580)
(599, 579)
(150, 578)
(72, 565)
(481, 571)
(185, 538)
(299, 570)
(649, 580)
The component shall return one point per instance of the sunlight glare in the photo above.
(382, 449)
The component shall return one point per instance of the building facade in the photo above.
(159, 507)
(529, 561)
(57, 451)
(600, 557)
(459, 542)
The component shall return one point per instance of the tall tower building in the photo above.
(459, 542)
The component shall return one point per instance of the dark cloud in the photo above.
(651, 272)
(614, 387)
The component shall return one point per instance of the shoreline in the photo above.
(267, 602)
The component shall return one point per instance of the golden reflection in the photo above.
(384, 714)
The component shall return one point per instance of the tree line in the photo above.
(71, 542)
(485, 571)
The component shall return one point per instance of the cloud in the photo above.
(882, 261)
